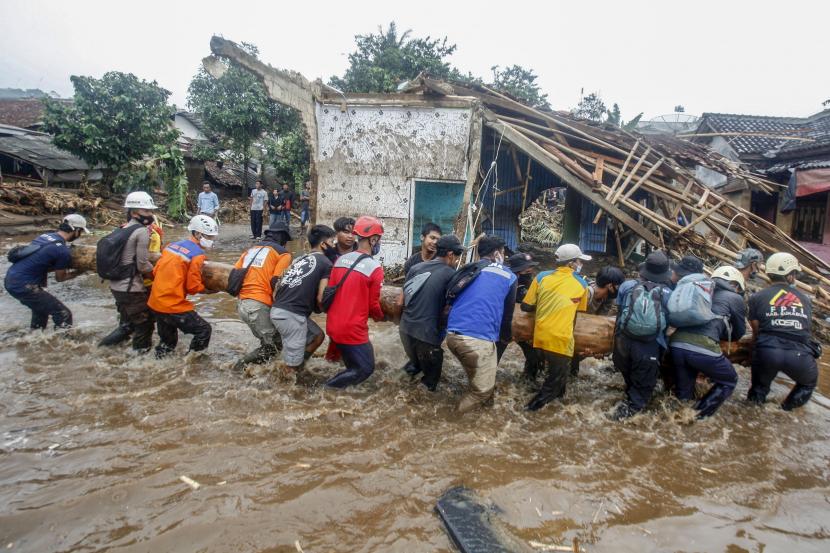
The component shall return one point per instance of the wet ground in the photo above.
(93, 443)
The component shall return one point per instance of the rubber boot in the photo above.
(712, 401)
(797, 397)
(120, 334)
(622, 412)
(252, 357)
(410, 368)
(756, 396)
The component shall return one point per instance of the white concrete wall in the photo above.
(368, 156)
(188, 129)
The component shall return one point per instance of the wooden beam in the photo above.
(546, 160)
(701, 217)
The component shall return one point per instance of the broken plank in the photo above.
(618, 179)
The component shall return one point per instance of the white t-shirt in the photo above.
(260, 198)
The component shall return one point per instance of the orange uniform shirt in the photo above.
(265, 264)
(177, 274)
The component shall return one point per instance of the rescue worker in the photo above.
(264, 265)
(602, 295)
(781, 320)
(176, 275)
(26, 278)
(697, 349)
(359, 278)
(430, 233)
(640, 332)
(131, 295)
(523, 266)
(423, 298)
(749, 262)
(481, 315)
(298, 295)
(555, 297)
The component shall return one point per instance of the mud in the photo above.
(93, 443)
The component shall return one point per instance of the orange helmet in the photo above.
(367, 226)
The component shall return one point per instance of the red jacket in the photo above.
(356, 300)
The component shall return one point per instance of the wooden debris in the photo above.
(190, 482)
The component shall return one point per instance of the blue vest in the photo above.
(478, 311)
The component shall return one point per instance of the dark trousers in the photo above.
(43, 305)
(534, 361)
(169, 324)
(558, 367)
(425, 357)
(795, 363)
(134, 319)
(256, 223)
(360, 364)
(687, 364)
(639, 363)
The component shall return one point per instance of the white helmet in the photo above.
(730, 274)
(76, 222)
(139, 200)
(566, 252)
(782, 264)
(203, 224)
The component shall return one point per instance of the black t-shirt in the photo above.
(413, 260)
(274, 202)
(423, 309)
(784, 316)
(300, 282)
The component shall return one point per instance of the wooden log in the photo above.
(593, 334)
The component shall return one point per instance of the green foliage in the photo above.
(520, 83)
(384, 60)
(632, 125)
(165, 167)
(591, 107)
(614, 115)
(114, 121)
(289, 154)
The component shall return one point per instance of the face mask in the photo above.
(526, 280)
(376, 248)
(145, 220)
(578, 268)
(206, 243)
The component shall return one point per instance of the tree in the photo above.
(591, 107)
(520, 83)
(614, 115)
(112, 121)
(236, 107)
(384, 60)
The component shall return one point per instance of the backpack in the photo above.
(463, 278)
(109, 251)
(690, 304)
(642, 313)
(19, 253)
(329, 292)
(236, 278)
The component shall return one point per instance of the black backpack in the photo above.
(463, 278)
(109, 251)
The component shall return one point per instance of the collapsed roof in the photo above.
(604, 164)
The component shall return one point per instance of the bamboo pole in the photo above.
(617, 180)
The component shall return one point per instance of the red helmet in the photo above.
(367, 226)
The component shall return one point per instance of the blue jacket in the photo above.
(484, 309)
(53, 255)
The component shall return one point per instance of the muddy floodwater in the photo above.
(94, 442)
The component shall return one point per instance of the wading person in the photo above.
(523, 267)
(26, 278)
(696, 348)
(430, 233)
(481, 315)
(602, 295)
(259, 199)
(299, 294)
(358, 277)
(124, 257)
(176, 275)
(555, 297)
(424, 296)
(781, 319)
(207, 201)
(263, 264)
(640, 332)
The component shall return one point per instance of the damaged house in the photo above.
(476, 160)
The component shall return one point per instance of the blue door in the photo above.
(437, 202)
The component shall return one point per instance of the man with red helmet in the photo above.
(358, 277)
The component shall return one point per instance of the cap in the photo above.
(279, 226)
(567, 252)
(450, 243)
(747, 257)
(519, 262)
(76, 221)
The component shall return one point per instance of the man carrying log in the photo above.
(430, 233)
(749, 262)
(263, 264)
(26, 278)
(123, 257)
(481, 315)
(176, 275)
(523, 267)
(781, 317)
(555, 297)
(640, 333)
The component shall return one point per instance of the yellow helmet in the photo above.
(782, 264)
(730, 274)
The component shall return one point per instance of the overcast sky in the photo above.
(760, 57)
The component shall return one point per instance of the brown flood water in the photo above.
(93, 443)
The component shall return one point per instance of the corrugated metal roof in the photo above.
(38, 149)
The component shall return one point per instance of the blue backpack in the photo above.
(641, 316)
(690, 304)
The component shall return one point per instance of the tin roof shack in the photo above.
(794, 152)
(29, 155)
